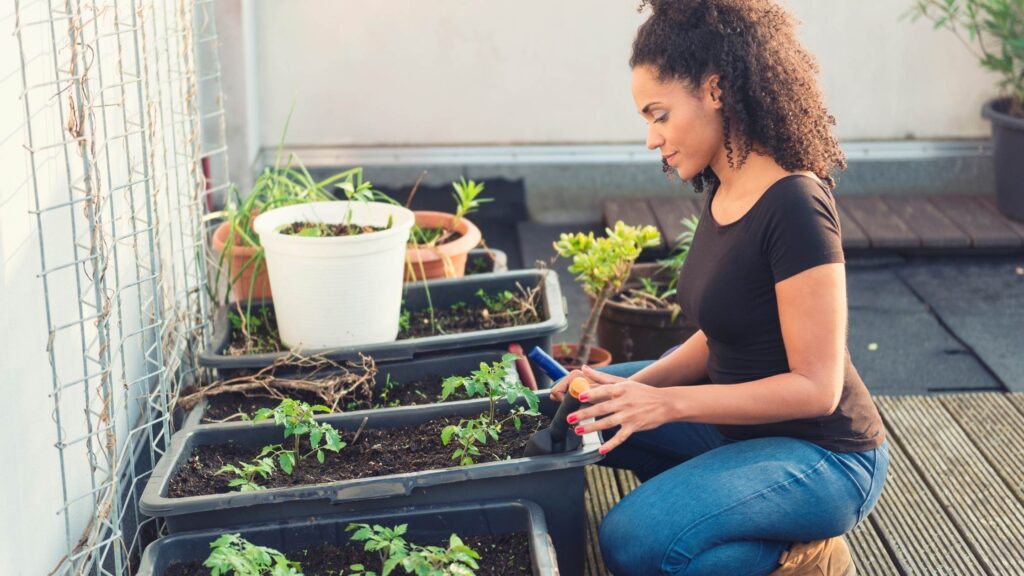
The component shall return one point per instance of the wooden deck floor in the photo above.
(937, 224)
(954, 498)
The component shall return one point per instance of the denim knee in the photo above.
(626, 546)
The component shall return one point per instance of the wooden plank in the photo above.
(883, 228)
(990, 203)
(601, 494)
(996, 427)
(632, 211)
(869, 553)
(854, 236)
(920, 535)
(986, 513)
(669, 212)
(986, 229)
(921, 216)
(627, 481)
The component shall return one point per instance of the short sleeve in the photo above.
(802, 229)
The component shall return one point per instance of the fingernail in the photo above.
(584, 397)
(579, 430)
(602, 450)
(571, 419)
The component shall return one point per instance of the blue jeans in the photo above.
(710, 505)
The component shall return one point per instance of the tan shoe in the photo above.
(829, 557)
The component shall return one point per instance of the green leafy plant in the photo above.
(297, 419)
(467, 200)
(660, 293)
(499, 303)
(232, 554)
(494, 382)
(602, 266)
(257, 330)
(994, 31)
(456, 559)
(246, 473)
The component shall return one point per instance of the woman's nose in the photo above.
(654, 140)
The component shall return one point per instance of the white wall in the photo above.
(408, 72)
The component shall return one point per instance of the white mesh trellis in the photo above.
(124, 134)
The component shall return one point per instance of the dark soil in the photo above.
(457, 318)
(328, 230)
(426, 391)
(462, 318)
(379, 452)
(505, 555)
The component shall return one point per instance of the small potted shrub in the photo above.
(336, 267)
(642, 321)
(439, 244)
(994, 31)
(602, 266)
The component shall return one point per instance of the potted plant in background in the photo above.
(336, 267)
(440, 243)
(995, 35)
(602, 265)
(642, 321)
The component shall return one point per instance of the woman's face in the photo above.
(683, 124)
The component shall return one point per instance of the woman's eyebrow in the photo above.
(647, 108)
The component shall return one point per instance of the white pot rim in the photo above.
(267, 223)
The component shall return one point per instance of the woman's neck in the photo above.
(757, 172)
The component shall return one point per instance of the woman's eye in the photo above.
(660, 118)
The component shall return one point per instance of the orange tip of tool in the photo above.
(578, 386)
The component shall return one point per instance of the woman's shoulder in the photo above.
(798, 191)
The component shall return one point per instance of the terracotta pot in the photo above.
(447, 260)
(598, 356)
(633, 333)
(239, 257)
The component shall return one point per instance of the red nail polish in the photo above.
(584, 397)
(579, 430)
(571, 419)
(602, 450)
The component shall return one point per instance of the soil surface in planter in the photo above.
(378, 452)
(457, 318)
(463, 318)
(647, 301)
(323, 229)
(425, 236)
(222, 407)
(505, 555)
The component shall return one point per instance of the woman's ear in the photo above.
(713, 90)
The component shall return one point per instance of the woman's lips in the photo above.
(670, 158)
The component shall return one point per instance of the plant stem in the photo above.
(590, 328)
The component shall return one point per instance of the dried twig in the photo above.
(329, 380)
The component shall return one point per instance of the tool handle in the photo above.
(559, 426)
(549, 365)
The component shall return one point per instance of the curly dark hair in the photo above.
(770, 97)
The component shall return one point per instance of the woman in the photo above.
(757, 442)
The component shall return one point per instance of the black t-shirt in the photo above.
(727, 288)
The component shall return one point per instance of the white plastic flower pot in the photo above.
(336, 291)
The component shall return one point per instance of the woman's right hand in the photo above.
(593, 376)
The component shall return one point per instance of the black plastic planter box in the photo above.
(486, 261)
(554, 482)
(443, 293)
(428, 524)
(402, 373)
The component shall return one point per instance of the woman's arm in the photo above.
(687, 364)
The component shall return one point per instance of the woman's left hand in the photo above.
(632, 406)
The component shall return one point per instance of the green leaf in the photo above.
(446, 434)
